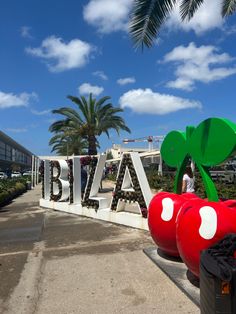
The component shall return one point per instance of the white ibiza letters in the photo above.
(61, 188)
(131, 184)
(59, 180)
(92, 187)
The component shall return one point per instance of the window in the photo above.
(8, 152)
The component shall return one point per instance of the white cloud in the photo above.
(147, 101)
(107, 15)
(61, 56)
(126, 80)
(229, 30)
(25, 32)
(101, 74)
(87, 88)
(181, 83)
(41, 113)
(198, 64)
(8, 100)
(206, 18)
(16, 130)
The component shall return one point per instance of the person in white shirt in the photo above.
(188, 181)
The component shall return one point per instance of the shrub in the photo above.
(11, 188)
(12, 192)
(20, 186)
(157, 182)
(166, 183)
(5, 197)
(111, 176)
(225, 190)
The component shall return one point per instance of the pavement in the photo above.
(54, 262)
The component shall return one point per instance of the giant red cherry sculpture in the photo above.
(200, 225)
(162, 213)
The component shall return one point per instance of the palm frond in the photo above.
(69, 113)
(68, 145)
(79, 103)
(147, 18)
(55, 139)
(228, 7)
(188, 8)
(85, 106)
(101, 101)
(59, 125)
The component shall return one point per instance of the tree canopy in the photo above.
(148, 16)
(88, 121)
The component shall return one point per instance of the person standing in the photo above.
(103, 177)
(84, 177)
(188, 181)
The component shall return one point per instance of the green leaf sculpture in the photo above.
(209, 144)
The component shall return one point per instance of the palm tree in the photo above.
(65, 144)
(148, 16)
(90, 120)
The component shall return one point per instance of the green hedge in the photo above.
(166, 183)
(11, 188)
(157, 182)
(225, 190)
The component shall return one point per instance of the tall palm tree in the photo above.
(148, 16)
(89, 120)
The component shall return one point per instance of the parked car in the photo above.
(3, 175)
(27, 173)
(16, 174)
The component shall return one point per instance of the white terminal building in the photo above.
(13, 154)
(148, 156)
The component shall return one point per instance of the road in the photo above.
(53, 262)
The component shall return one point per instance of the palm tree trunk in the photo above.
(92, 149)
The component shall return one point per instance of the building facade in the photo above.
(117, 150)
(13, 156)
(148, 158)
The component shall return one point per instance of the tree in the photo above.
(65, 144)
(91, 119)
(15, 167)
(148, 16)
(109, 155)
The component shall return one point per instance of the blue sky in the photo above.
(51, 49)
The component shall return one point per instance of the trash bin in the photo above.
(218, 277)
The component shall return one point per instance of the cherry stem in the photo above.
(179, 176)
(209, 185)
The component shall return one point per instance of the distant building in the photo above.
(13, 155)
(147, 157)
(117, 150)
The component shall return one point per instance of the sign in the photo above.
(62, 182)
